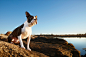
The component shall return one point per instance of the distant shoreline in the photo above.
(69, 35)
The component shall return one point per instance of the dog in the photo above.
(24, 31)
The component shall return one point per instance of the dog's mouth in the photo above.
(36, 22)
(33, 23)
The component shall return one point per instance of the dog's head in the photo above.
(32, 20)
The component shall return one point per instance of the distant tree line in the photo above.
(65, 35)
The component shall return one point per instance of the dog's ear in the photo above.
(27, 14)
(36, 16)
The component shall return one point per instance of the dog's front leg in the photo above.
(28, 42)
(21, 43)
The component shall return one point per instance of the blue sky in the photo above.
(54, 16)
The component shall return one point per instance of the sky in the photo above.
(54, 16)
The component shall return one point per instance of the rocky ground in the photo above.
(11, 50)
(41, 47)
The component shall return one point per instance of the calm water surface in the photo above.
(79, 43)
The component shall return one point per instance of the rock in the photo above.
(8, 33)
(11, 50)
(83, 55)
(74, 52)
(71, 45)
(51, 40)
(84, 49)
(3, 37)
(52, 47)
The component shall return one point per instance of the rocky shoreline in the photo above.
(41, 47)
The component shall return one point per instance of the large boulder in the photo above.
(53, 47)
(11, 50)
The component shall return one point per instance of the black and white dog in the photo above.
(24, 31)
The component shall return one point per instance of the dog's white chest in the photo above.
(26, 31)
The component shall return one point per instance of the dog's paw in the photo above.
(29, 49)
(11, 42)
(23, 47)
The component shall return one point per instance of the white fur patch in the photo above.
(26, 30)
(34, 17)
(12, 39)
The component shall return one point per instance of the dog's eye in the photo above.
(34, 19)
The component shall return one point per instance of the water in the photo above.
(79, 43)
